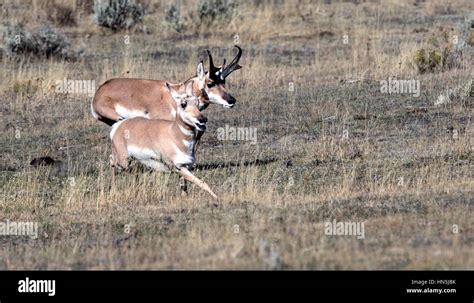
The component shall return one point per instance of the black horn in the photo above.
(233, 66)
(212, 69)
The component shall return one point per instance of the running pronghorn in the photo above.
(161, 144)
(123, 98)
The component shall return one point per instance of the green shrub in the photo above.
(173, 18)
(426, 60)
(440, 54)
(210, 11)
(118, 14)
(43, 42)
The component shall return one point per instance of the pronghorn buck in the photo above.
(162, 144)
(123, 98)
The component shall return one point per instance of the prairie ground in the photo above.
(330, 145)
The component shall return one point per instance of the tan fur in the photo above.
(151, 99)
(160, 143)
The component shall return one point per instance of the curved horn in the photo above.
(233, 66)
(237, 57)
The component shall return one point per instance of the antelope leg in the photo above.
(187, 175)
(198, 138)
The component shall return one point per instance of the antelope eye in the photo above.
(211, 84)
(183, 104)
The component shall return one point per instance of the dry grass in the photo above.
(275, 195)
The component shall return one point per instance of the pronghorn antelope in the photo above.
(162, 144)
(123, 98)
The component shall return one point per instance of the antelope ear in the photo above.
(174, 93)
(189, 88)
(200, 72)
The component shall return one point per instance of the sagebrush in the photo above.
(118, 14)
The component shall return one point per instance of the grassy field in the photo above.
(330, 144)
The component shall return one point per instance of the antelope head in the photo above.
(214, 82)
(188, 107)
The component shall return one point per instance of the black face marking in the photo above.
(218, 81)
(216, 78)
(183, 104)
(219, 76)
(204, 94)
